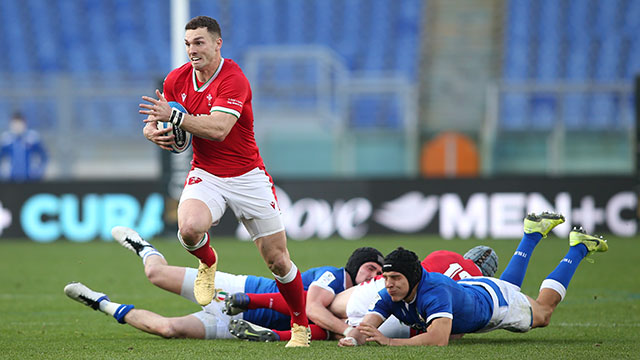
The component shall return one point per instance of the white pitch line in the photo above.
(610, 325)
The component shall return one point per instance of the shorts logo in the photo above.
(273, 204)
(194, 180)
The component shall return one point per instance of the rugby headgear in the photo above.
(360, 256)
(485, 258)
(405, 262)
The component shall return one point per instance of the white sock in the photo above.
(290, 275)
(197, 246)
(109, 307)
(148, 251)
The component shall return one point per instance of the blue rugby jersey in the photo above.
(261, 285)
(469, 306)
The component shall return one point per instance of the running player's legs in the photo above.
(252, 198)
(201, 205)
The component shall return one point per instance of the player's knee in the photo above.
(189, 231)
(167, 330)
(153, 273)
(542, 318)
(279, 265)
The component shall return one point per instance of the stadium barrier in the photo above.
(351, 209)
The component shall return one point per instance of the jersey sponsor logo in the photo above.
(193, 180)
(234, 102)
(326, 279)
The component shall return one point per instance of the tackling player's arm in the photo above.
(318, 301)
(215, 126)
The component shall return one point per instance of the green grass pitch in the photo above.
(599, 319)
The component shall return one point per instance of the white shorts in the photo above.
(516, 316)
(216, 323)
(358, 305)
(250, 196)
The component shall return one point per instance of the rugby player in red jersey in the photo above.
(227, 169)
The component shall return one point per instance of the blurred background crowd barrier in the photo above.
(342, 89)
(355, 88)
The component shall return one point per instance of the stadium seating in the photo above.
(576, 41)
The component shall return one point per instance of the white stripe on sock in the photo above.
(197, 246)
(555, 286)
(290, 275)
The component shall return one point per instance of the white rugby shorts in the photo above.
(216, 322)
(250, 196)
(517, 316)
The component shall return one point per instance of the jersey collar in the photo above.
(205, 85)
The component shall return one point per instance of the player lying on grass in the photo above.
(440, 308)
(210, 323)
(352, 304)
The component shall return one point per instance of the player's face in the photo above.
(368, 271)
(203, 48)
(396, 284)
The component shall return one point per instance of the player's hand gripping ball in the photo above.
(182, 139)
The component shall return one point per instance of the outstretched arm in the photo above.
(437, 333)
(357, 336)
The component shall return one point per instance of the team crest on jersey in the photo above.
(194, 180)
(184, 96)
(209, 97)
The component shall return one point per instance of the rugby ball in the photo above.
(182, 138)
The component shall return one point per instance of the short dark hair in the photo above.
(206, 22)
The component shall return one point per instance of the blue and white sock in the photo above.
(148, 251)
(118, 311)
(559, 278)
(517, 267)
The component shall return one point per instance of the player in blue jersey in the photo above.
(211, 322)
(363, 265)
(440, 308)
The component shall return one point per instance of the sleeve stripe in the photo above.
(439, 315)
(226, 110)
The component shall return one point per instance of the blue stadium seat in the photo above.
(606, 21)
(574, 111)
(549, 39)
(631, 21)
(514, 112)
(603, 111)
(607, 66)
(410, 19)
(19, 60)
(41, 13)
(295, 15)
(578, 22)
(517, 39)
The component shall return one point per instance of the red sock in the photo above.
(205, 253)
(317, 333)
(293, 293)
(273, 301)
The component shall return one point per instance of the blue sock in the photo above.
(517, 267)
(568, 265)
(121, 312)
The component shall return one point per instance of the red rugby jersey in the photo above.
(228, 91)
(450, 264)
